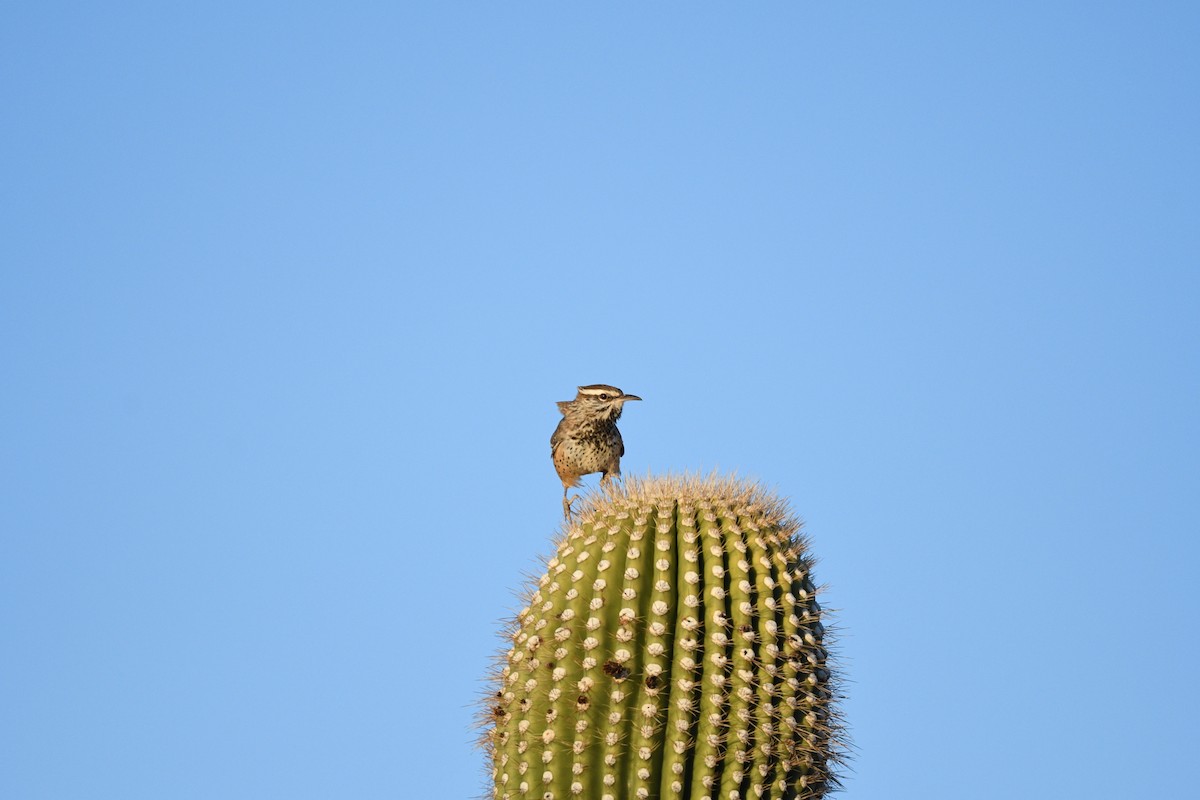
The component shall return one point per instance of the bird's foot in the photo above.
(567, 506)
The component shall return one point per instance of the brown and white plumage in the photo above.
(586, 439)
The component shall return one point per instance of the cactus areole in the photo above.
(673, 649)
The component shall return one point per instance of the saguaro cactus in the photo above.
(673, 649)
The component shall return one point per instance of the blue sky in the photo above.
(288, 293)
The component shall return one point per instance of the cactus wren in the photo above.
(586, 439)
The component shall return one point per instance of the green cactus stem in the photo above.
(674, 648)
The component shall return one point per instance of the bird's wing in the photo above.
(557, 437)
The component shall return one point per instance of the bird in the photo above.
(586, 439)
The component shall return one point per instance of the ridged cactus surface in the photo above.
(673, 649)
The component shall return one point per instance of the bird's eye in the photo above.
(603, 395)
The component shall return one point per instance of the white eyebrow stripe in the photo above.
(599, 390)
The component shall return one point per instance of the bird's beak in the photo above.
(630, 397)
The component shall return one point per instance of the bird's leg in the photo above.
(567, 504)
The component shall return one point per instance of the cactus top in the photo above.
(673, 648)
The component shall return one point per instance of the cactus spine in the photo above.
(673, 649)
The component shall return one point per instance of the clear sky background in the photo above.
(289, 290)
